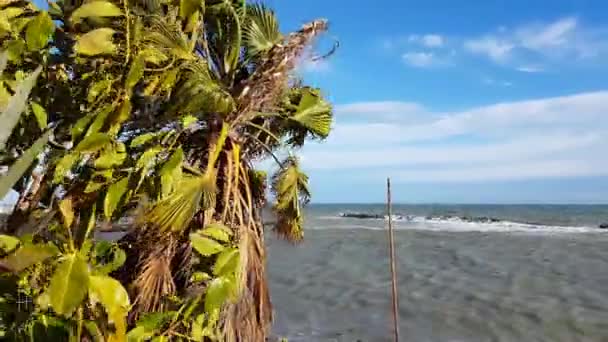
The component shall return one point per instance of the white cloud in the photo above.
(530, 69)
(427, 40)
(495, 48)
(564, 40)
(541, 37)
(446, 154)
(382, 111)
(550, 137)
(421, 59)
(494, 82)
(528, 47)
(507, 172)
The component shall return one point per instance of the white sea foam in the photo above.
(454, 224)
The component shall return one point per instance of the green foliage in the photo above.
(96, 42)
(95, 9)
(205, 246)
(18, 169)
(171, 172)
(93, 143)
(153, 111)
(68, 286)
(227, 262)
(115, 193)
(176, 211)
(290, 187)
(8, 243)
(40, 114)
(313, 113)
(115, 300)
(261, 32)
(38, 31)
(28, 255)
(217, 231)
(16, 105)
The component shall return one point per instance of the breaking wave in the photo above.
(448, 223)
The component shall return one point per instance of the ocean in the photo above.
(465, 273)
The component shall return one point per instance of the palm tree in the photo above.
(167, 107)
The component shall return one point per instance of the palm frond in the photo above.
(176, 211)
(270, 79)
(261, 30)
(151, 6)
(155, 280)
(314, 114)
(200, 93)
(290, 187)
(224, 35)
(169, 37)
(249, 318)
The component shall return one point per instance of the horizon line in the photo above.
(462, 203)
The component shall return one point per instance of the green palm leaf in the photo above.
(314, 114)
(225, 35)
(290, 187)
(261, 30)
(200, 93)
(169, 37)
(176, 211)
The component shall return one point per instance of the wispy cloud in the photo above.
(497, 49)
(427, 40)
(564, 40)
(540, 37)
(420, 59)
(381, 111)
(506, 172)
(530, 47)
(530, 69)
(494, 82)
(550, 137)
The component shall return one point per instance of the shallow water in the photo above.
(459, 285)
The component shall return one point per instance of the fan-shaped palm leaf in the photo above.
(261, 31)
(224, 35)
(200, 93)
(290, 187)
(314, 114)
(168, 36)
(176, 211)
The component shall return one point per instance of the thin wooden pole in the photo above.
(391, 243)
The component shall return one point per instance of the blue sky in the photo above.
(475, 101)
(461, 101)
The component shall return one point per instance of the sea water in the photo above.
(465, 273)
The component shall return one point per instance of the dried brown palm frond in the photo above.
(268, 82)
(248, 319)
(155, 282)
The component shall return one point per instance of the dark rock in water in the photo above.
(486, 219)
(361, 215)
(604, 226)
(467, 218)
(479, 219)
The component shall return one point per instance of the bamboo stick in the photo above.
(391, 241)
